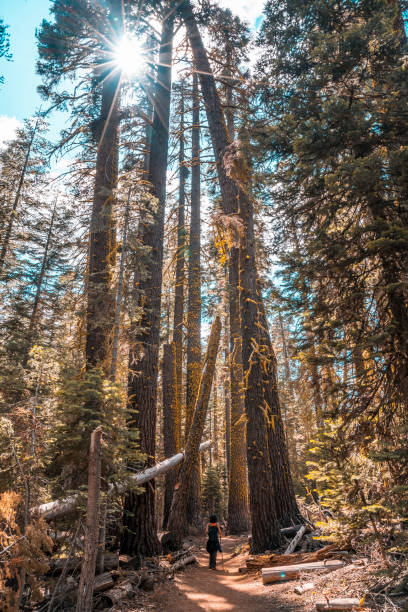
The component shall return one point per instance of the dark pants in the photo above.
(213, 559)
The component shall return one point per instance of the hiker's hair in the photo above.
(213, 518)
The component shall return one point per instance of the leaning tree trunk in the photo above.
(171, 422)
(194, 306)
(177, 525)
(140, 531)
(265, 526)
(63, 507)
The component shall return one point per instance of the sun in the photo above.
(130, 56)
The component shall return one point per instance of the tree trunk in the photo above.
(311, 361)
(215, 419)
(194, 306)
(287, 511)
(177, 524)
(258, 390)
(289, 396)
(171, 424)
(394, 273)
(113, 368)
(119, 292)
(180, 270)
(238, 519)
(38, 291)
(139, 536)
(227, 400)
(43, 270)
(85, 591)
(100, 310)
(399, 25)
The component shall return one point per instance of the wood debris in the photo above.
(292, 546)
(303, 588)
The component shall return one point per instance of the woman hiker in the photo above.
(213, 543)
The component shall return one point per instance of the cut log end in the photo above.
(304, 588)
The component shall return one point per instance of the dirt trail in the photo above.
(199, 589)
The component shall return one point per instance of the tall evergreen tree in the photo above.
(340, 152)
(194, 301)
(84, 38)
(260, 394)
(178, 319)
(23, 164)
(140, 535)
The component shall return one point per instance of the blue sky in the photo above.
(18, 96)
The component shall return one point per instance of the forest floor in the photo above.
(199, 589)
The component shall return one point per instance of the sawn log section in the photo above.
(55, 509)
(291, 572)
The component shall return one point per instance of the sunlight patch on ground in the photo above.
(202, 600)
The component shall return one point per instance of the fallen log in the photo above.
(303, 588)
(351, 603)
(114, 596)
(329, 551)
(173, 557)
(111, 561)
(182, 563)
(55, 509)
(258, 563)
(103, 582)
(292, 546)
(291, 572)
(68, 593)
(325, 553)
